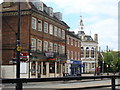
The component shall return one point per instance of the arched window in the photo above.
(82, 52)
(87, 52)
(92, 52)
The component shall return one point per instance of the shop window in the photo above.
(44, 68)
(39, 68)
(33, 68)
(52, 67)
(58, 67)
(93, 65)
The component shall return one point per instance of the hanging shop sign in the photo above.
(49, 54)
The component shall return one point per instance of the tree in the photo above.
(112, 60)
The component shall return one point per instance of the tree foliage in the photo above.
(112, 60)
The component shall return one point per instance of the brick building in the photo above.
(73, 47)
(43, 38)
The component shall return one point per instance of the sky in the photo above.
(99, 16)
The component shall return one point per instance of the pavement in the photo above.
(62, 85)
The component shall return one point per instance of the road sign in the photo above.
(19, 48)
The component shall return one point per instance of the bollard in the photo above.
(113, 83)
(19, 86)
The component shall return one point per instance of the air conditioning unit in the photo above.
(58, 15)
(49, 10)
(38, 4)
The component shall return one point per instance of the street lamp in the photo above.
(107, 70)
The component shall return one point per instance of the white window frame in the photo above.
(78, 44)
(33, 44)
(40, 26)
(39, 45)
(63, 34)
(67, 40)
(75, 43)
(55, 48)
(51, 29)
(45, 27)
(71, 54)
(34, 20)
(68, 54)
(71, 41)
(45, 46)
(59, 32)
(55, 31)
(50, 46)
(75, 55)
(78, 55)
(63, 49)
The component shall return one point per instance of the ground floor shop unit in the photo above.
(89, 66)
(74, 67)
(42, 69)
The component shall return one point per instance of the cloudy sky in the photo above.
(99, 16)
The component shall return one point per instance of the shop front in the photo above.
(46, 65)
(75, 68)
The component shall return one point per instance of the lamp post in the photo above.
(107, 60)
(18, 85)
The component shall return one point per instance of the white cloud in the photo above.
(87, 6)
(100, 16)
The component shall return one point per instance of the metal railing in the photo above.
(26, 80)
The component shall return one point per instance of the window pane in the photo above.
(45, 46)
(63, 34)
(51, 29)
(87, 52)
(39, 46)
(39, 25)
(63, 49)
(59, 32)
(50, 46)
(52, 67)
(33, 44)
(45, 27)
(55, 48)
(55, 31)
(33, 23)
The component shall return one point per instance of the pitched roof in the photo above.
(72, 34)
(13, 6)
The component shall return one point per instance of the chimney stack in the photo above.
(96, 37)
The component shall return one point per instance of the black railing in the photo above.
(26, 80)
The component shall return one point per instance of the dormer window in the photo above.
(38, 5)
